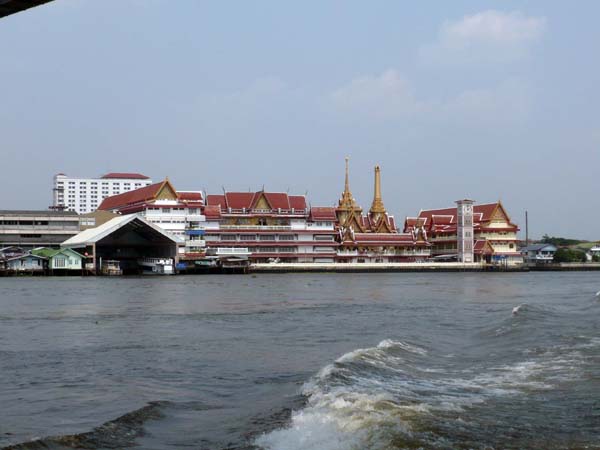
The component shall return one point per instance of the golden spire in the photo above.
(377, 207)
(347, 201)
(347, 184)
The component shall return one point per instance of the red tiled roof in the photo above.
(135, 176)
(298, 202)
(189, 196)
(238, 200)
(248, 200)
(481, 248)
(276, 200)
(212, 211)
(323, 213)
(392, 222)
(127, 198)
(383, 237)
(216, 199)
(481, 213)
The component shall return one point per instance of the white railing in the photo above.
(232, 250)
(198, 243)
(256, 227)
(155, 261)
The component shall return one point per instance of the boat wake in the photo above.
(398, 395)
(114, 434)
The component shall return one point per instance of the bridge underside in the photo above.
(8, 7)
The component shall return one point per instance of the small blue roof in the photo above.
(538, 247)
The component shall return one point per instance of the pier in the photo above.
(370, 267)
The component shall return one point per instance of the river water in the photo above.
(311, 361)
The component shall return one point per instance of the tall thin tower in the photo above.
(464, 230)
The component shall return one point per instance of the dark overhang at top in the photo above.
(8, 7)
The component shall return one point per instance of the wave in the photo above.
(114, 434)
(399, 395)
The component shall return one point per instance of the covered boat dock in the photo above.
(137, 246)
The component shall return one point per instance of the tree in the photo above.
(559, 241)
(569, 255)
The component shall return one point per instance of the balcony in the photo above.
(256, 227)
(228, 251)
(195, 243)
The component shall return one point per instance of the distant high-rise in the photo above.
(83, 195)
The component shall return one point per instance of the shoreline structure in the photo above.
(156, 229)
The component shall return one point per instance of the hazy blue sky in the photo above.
(487, 100)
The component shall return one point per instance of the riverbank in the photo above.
(378, 267)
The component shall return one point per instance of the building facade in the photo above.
(84, 195)
(62, 259)
(464, 231)
(374, 237)
(494, 234)
(539, 253)
(160, 204)
(272, 226)
(30, 229)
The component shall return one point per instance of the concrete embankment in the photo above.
(563, 267)
(367, 267)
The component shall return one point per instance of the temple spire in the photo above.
(347, 184)
(347, 201)
(377, 207)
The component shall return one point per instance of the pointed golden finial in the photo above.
(347, 201)
(347, 184)
(377, 207)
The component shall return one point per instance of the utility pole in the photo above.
(526, 229)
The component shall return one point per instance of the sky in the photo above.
(463, 99)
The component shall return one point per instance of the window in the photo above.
(60, 262)
(166, 210)
(248, 237)
(286, 237)
(267, 237)
(228, 237)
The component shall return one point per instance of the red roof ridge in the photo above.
(125, 175)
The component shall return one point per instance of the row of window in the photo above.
(104, 183)
(270, 237)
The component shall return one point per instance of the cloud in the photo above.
(390, 97)
(509, 100)
(383, 96)
(485, 37)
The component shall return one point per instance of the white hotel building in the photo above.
(84, 195)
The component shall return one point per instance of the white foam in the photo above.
(364, 410)
(389, 343)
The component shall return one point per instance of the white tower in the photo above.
(464, 230)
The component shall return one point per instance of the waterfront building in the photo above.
(271, 226)
(26, 263)
(31, 228)
(83, 195)
(539, 253)
(464, 231)
(494, 234)
(62, 259)
(94, 219)
(127, 244)
(374, 237)
(159, 203)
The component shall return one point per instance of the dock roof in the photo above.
(94, 235)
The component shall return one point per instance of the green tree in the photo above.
(569, 255)
(559, 241)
